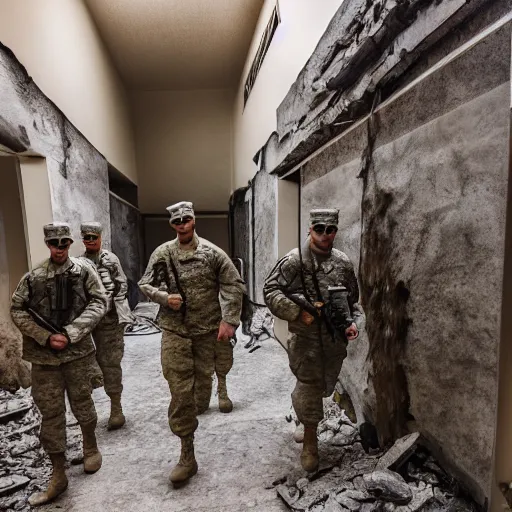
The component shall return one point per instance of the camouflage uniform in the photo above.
(71, 297)
(213, 290)
(314, 358)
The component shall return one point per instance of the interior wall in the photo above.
(431, 201)
(10, 203)
(302, 24)
(183, 145)
(59, 45)
(13, 264)
(72, 173)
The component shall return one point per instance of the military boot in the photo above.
(309, 456)
(298, 435)
(117, 419)
(187, 466)
(58, 483)
(225, 404)
(92, 456)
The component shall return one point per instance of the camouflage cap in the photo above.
(91, 228)
(324, 216)
(180, 210)
(57, 231)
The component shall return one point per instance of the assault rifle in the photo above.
(42, 322)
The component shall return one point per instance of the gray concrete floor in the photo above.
(239, 454)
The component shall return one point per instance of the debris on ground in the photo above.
(145, 314)
(24, 466)
(404, 478)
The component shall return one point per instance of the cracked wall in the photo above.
(430, 206)
(77, 172)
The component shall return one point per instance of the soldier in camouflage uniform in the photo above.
(108, 334)
(199, 308)
(315, 353)
(56, 306)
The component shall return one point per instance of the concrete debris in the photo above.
(362, 482)
(399, 451)
(24, 467)
(12, 483)
(388, 486)
(12, 410)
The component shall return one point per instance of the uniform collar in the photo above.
(54, 270)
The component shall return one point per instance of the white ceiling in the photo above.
(177, 44)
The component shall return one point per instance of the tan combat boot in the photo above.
(58, 483)
(225, 404)
(117, 419)
(309, 456)
(187, 466)
(92, 456)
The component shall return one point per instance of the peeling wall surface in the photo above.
(77, 172)
(366, 48)
(441, 190)
(126, 225)
(77, 175)
(433, 195)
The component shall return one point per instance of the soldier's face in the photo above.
(323, 236)
(92, 242)
(59, 250)
(184, 229)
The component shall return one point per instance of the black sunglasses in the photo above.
(62, 243)
(322, 228)
(181, 221)
(90, 238)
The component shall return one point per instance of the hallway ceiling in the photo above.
(177, 44)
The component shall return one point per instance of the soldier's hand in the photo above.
(306, 318)
(351, 332)
(58, 341)
(174, 301)
(226, 331)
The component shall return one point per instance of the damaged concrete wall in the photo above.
(433, 194)
(29, 121)
(367, 47)
(421, 186)
(126, 226)
(77, 172)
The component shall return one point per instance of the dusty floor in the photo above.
(239, 454)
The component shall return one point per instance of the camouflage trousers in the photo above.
(317, 372)
(109, 342)
(188, 365)
(223, 362)
(49, 385)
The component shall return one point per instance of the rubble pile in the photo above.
(24, 467)
(405, 478)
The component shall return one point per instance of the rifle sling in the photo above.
(183, 307)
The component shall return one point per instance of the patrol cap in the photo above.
(327, 216)
(91, 228)
(57, 231)
(179, 210)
